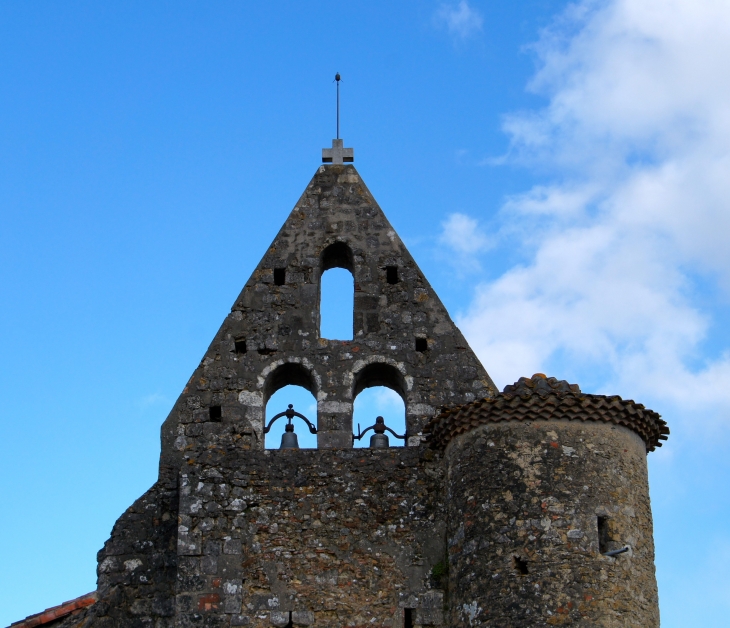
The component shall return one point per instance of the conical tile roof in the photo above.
(542, 398)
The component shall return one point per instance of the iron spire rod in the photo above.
(337, 80)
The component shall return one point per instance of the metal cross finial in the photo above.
(338, 154)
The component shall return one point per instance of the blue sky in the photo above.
(559, 171)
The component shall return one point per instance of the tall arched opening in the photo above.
(337, 293)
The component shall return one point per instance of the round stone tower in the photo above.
(550, 522)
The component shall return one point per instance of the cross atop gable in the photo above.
(337, 155)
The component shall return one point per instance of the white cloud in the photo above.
(465, 238)
(460, 20)
(637, 135)
(388, 400)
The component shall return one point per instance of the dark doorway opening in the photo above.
(408, 617)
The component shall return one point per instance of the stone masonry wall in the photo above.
(137, 567)
(271, 337)
(524, 500)
(336, 538)
(500, 531)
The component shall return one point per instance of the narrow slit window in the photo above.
(215, 413)
(408, 618)
(421, 344)
(520, 565)
(240, 345)
(603, 538)
(279, 276)
(391, 274)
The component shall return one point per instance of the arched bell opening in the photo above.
(337, 293)
(379, 391)
(294, 384)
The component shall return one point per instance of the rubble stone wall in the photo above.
(319, 537)
(137, 567)
(501, 529)
(524, 500)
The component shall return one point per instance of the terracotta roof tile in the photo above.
(56, 612)
(542, 398)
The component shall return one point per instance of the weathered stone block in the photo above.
(302, 618)
(280, 619)
(189, 544)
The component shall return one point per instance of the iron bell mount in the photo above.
(289, 439)
(379, 440)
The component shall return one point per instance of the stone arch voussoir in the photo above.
(292, 371)
(380, 371)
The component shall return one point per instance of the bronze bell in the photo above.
(379, 440)
(289, 439)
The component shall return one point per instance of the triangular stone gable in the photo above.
(403, 336)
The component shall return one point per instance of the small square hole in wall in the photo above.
(240, 345)
(215, 413)
(391, 274)
(421, 344)
(520, 565)
(279, 276)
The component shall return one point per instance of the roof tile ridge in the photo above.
(540, 399)
(56, 612)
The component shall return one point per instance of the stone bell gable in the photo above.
(402, 338)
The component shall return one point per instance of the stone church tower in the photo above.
(528, 507)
